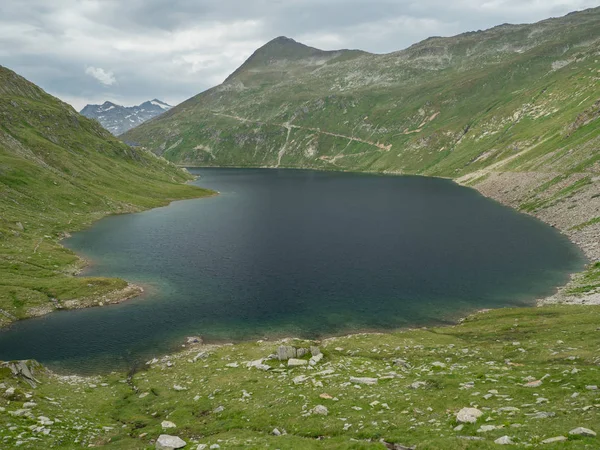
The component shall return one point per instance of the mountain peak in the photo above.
(117, 119)
(282, 49)
(282, 40)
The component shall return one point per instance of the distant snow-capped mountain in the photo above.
(118, 119)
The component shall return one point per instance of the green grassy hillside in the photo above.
(445, 106)
(59, 172)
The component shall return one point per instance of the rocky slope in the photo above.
(118, 119)
(59, 171)
(512, 111)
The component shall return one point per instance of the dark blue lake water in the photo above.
(297, 253)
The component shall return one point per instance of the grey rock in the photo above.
(300, 352)
(320, 409)
(541, 415)
(285, 352)
(555, 439)
(508, 409)
(167, 442)
(258, 364)
(363, 380)
(314, 360)
(580, 431)
(504, 440)
(293, 362)
(468, 415)
(314, 351)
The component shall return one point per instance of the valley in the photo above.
(512, 112)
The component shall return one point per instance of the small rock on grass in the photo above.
(293, 362)
(580, 431)
(363, 380)
(552, 440)
(320, 409)
(167, 442)
(504, 440)
(167, 424)
(468, 415)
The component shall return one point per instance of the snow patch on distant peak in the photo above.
(160, 104)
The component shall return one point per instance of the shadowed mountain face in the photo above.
(118, 119)
(445, 106)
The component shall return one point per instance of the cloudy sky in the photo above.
(129, 51)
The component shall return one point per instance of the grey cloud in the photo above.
(173, 49)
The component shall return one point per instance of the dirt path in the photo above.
(289, 127)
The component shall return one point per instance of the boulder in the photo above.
(285, 352)
(580, 431)
(293, 362)
(468, 415)
(167, 442)
(167, 424)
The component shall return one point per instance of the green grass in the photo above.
(498, 351)
(586, 282)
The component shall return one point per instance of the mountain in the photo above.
(118, 119)
(512, 111)
(59, 171)
(445, 106)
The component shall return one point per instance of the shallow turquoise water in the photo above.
(288, 252)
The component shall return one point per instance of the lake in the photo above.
(297, 253)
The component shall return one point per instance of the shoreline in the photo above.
(505, 188)
(115, 296)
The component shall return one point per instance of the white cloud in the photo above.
(103, 76)
(174, 49)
